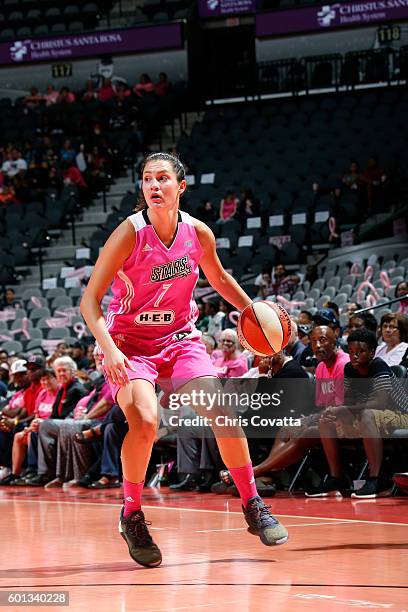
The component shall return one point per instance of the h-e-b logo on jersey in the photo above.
(155, 317)
(173, 269)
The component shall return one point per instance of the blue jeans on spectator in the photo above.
(113, 436)
(32, 453)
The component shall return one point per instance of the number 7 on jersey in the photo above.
(164, 288)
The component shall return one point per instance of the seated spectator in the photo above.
(351, 307)
(283, 282)
(305, 318)
(43, 407)
(66, 96)
(333, 306)
(402, 289)
(106, 91)
(22, 191)
(9, 299)
(228, 207)
(34, 99)
(231, 363)
(112, 432)
(14, 164)
(394, 332)
(51, 97)
(123, 92)
(214, 318)
(326, 316)
(78, 354)
(144, 86)
(210, 343)
(68, 152)
(263, 285)
(90, 93)
(198, 457)
(13, 412)
(163, 85)
(295, 347)
(73, 176)
(375, 405)
(248, 207)
(364, 320)
(311, 274)
(226, 308)
(351, 180)
(206, 212)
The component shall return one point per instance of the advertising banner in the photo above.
(330, 16)
(72, 46)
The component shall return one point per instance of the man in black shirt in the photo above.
(376, 404)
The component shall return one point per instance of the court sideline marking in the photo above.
(295, 516)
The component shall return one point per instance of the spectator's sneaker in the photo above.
(368, 490)
(331, 487)
(219, 488)
(134, 531)
(21, 482)
(263, 524)
(4, 471)
(54, 484)
(8, 480)
(38, 481)
(189, 483)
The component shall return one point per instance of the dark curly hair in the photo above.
(363, 335)
(176, 164)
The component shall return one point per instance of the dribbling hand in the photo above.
(115, 365)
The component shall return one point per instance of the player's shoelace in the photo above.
(260, 514)
(137, 527)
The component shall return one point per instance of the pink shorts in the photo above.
(172, 367)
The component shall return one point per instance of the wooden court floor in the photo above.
(342, 555)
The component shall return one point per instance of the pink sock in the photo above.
(132, 495)
(245, 482)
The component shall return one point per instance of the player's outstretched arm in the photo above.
(213, 269)
(117, 249)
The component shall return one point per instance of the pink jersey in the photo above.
(153, 300)
(330, 381)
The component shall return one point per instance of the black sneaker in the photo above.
(331, 487)
(219, 488)
(189, 483)
(263, 524)
(40, 480)
(8, 480)
(368, 490)
(134, 531)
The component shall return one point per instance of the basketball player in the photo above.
(149, 335)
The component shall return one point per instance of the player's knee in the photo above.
(147, 428)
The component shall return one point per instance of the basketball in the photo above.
(264, 328)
